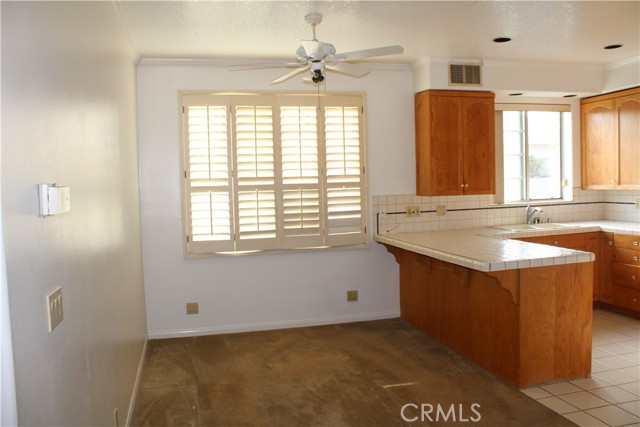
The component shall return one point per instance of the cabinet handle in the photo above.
(610, 243)
(636, 243)
(635, 258)
(555, 242)
(634, 277)
(613, 180)
(461, 185)
(466, 186)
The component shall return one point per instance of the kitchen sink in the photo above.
(525, 227)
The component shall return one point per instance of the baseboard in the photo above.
(287, 324)
(134, 393)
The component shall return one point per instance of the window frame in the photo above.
(565, 151)
(359, 236)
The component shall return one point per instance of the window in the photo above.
(531, 146)
(268, 172)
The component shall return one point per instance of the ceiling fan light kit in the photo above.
(318, 57)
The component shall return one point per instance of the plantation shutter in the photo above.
(264, 172)
(255, 176)
(344, 171)
(206, 153)
(300, 165)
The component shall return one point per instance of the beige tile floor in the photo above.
(611, 396)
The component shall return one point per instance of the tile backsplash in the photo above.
(478, 211)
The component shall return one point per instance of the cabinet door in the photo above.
(479, 145)
(606, 260)
(446, 145)
(628, 115)
(599, 147)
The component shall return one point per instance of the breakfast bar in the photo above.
(521, 311)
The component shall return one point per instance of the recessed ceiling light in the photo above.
(613, 46)
(572, 95)
(515, 94)
(502, 39)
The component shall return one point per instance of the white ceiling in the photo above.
(547, 31)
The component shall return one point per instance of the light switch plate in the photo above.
(54, 308)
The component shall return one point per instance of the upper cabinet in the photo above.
(455, 143)
(610, 135)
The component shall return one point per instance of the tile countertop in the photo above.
(492, 249)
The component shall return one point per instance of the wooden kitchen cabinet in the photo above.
(610, 141)
(587, 242)
(625, 272)
(604, 267)
(455, 143)
(526, 326)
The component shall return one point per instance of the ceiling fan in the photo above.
(318, 57)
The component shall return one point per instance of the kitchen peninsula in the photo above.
(520, 310)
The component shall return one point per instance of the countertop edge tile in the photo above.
(492, 249)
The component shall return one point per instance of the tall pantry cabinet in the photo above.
(455, 143)
(610, 137)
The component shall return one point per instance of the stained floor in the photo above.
(356, 374)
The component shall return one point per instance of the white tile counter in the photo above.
(491, 249)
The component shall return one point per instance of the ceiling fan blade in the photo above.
(264, 65)
(348, 69)
(366, 53)
(312, 48)
(290, 74)
(315, 49)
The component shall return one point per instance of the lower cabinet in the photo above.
(625, 272)
(616, 270)
(526, 326)
(587, 242)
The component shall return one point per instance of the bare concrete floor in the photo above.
(356, 374)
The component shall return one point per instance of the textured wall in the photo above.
(68, 116)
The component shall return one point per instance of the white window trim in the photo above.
(567, 153)
(327, 240)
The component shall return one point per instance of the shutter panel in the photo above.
(344, 175)
(301, 224)
(208, 180)
(255, 177)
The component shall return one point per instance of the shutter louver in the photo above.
(256, 204)
(208, 179)
(344, 176)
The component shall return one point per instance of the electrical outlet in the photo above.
(441, 210)
(413, 211)
(382, 212)
(54, 308)
(352, 296)
(637, 203)
(192, 308)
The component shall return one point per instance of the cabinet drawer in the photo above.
(626, 297)
(626, 256)
(626, 275)
(626, 241)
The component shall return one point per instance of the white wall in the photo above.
(68, 116)
(263, 291)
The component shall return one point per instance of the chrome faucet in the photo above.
(531, 211)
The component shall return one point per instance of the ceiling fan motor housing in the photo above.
(316, 66)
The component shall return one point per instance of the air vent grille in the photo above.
(465, 75)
